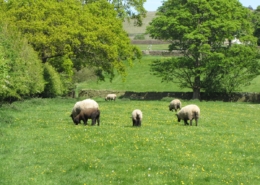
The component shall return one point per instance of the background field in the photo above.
(39, 144)
(140, 79)
(134, 30)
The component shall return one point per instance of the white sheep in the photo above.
(111, 97)
(175, 104)
(189, 112)
(137, 117)
(81, 106)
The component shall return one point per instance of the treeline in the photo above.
(43, 42)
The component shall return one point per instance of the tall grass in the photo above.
(39, 144)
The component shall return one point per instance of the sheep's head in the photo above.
(75, 120)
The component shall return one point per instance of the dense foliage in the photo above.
(70, 34)
(203, 31)
(256, 22)
(21, 72)
(128, 9)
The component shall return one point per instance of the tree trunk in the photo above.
(196, 93)
(196, 88)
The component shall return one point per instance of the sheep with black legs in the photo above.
(175, 104)
(189, 112)
(137, 117)
(85, 109)
(111, 97)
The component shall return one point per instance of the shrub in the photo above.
(53, 86)
(21, 71)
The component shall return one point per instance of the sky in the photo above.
(152, 5)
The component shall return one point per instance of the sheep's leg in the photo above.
(185, 122)
(133, 123)
(98, 120)
(93, 121)
(196, 122)
(85, 121)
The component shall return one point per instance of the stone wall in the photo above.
(162, 52)
(234, 97)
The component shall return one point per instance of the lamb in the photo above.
(111, 97)
(83, 105)
(85, 114)
(175, 104)
(137, 117)
(189, 112)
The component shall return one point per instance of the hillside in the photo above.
(134, 30)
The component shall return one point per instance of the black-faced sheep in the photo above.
(137, 117)
(82, 106)
(175, 104)
(85, 114)
(111, 97)
(189, 112)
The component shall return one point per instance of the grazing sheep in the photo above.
(175, 104)
(137, 117)
(83, 105)
(85, 114)
(111, 97)
(189, 112)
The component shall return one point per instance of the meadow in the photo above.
(140, 79)
(39, 144)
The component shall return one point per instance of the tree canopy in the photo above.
(88, 34)
(203, 32)
(128, 9)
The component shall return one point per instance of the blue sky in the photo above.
(152, 5)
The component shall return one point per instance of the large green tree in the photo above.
(88, 34)
(203, 31)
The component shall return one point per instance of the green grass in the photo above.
(133, 30)
(153, 47)
(39, 144)
(140, 79)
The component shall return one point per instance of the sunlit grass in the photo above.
(153, 47)
(140, 79)
(39, 144)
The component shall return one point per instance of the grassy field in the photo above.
(39, 144)
(140, 79)
(153, 47)
(134, 30)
